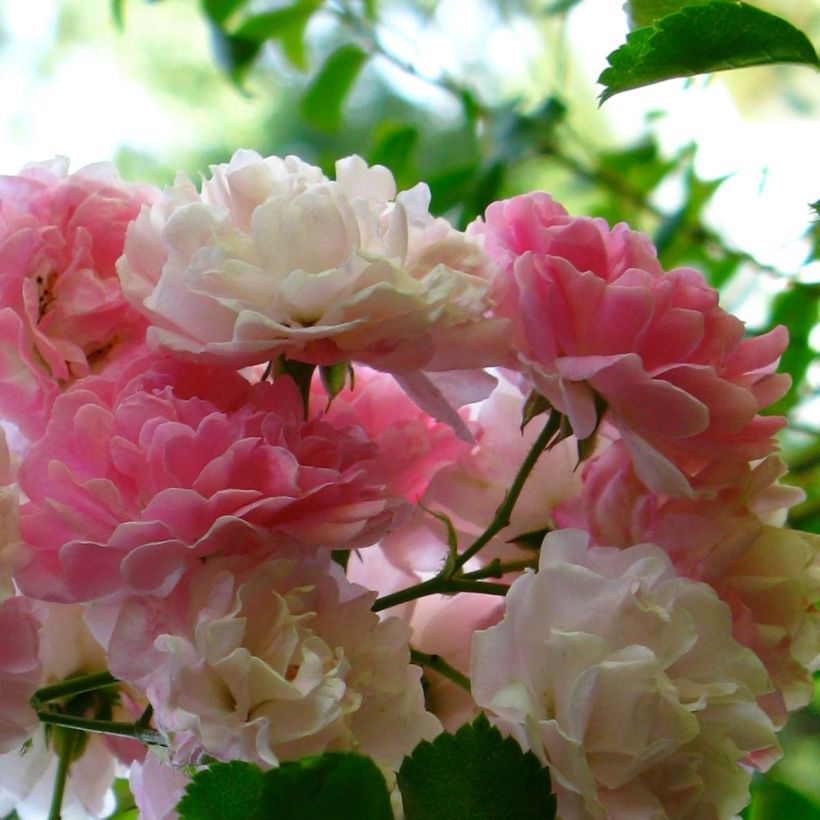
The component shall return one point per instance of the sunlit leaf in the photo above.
(704, 38)
(323, 100)
(645, 12)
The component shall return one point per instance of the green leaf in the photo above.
(334, 786)
(235, 55)
(323, 100)
(703, 38)
(773, 800)
(334, 377)
(285, 25)
(475, 774)
(218, 11)
(393, 147)
(223, 791)
(118, 13)
(645, 12)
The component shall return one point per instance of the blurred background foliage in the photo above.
(480, 100)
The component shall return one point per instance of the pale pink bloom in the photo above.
(412, 446)
(472, 488)
(62, 312)
(134, 482)
(157, 788)
(27, 780)
(626, 680)
(21, 671)
(274, 258)
(768, 575)
(273, 661)
(596, 318)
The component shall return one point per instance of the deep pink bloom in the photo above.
(135, 480)
(62, 311)
(596, 319)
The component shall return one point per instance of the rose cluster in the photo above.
(255, 438)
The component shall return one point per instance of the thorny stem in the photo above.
(105, 727)
(72, 686)
(451, 579)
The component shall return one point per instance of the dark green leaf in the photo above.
(704, 38)
(323, 100)
(335, 786)
(815, 206)
(224, 791)
(285, 25)
(475, 774)
(218, 11)
(645, 12)
(234, 54)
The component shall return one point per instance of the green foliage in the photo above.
(773, 800)
(645, 12)
(333, 786)
(474, 774)
(704, 38)
(324, 98)
(284, 25)
(798, 307)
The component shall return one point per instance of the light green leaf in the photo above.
(474, 774)
(699, 39)
(285, 25)
(323, 100)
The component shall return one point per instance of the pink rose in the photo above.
(62, 312)
(21, 671)
(273, 661)
(273, 258)
(596, 319)
(135, 481)
(626, 680)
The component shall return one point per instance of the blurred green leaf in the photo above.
(323, 100)
(234, 55)
(118, 13)
(393, 146)
(218, 11)
(799, 309)
(704, 38)
(772, 800)
(285, 25)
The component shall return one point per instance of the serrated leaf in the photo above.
(334, 786)
(223, 791)
(323, 100)
(645, 12)
(285, 25)
(476, 774)
(704, 38)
